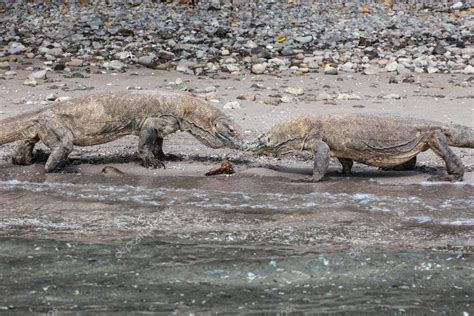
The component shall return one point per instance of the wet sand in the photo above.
(174, 240)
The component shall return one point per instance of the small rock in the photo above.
(30, 82)
(392, 96)
(439, 49)
(16, 48)
(75, 74)
(313, 65)
(469, 70)
(230, 68)
(75, 62)
(294, 90)
(111, 171)
(278, 62)
(257, 85)
(225, 52)
(134, 88)
(247, 96)
(10, 73)
(419, 70)
(210, 89)
(330, 70)
(259, 68)
(178, 81)
(287, 98)
(232, 105)
(348, 96)
(324, 96)
(272, 100)
(148, 61)
(250, 44)
(458, 5)
(115, 65)
(4, 65)
(432, 70)
(124, 55)
(39, 75)
(392, 66)
(370, 70)
(304, 39)
(184, 69)
(51, 97)
(56, 52)
(287, 51)
(382, 62)
(408, 79)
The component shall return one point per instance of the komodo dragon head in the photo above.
(286, 137)
(212, 127)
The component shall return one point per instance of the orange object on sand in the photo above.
(225, 168)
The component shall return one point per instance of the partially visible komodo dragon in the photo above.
(381, 141)
(101, 118)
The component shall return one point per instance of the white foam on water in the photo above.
(222, 200)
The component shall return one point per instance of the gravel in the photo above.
(269, 38)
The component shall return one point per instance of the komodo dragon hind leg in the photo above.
(150, 142)
(346, 165)
(23, 154)
(406, 166)
(59, 139)
(439, 144)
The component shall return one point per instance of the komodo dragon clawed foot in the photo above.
(152, 162)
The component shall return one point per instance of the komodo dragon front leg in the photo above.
(150, 142)
(321, 159)
(158, 151)
(58, 138)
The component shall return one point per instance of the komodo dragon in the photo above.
(101, 118)
(381, 141)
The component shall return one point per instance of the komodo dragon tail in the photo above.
(459, 135)
(18, 127)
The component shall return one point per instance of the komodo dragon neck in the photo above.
(19, 127)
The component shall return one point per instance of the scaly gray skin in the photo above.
(382, 141)
(98, 119)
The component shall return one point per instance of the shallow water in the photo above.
(234, 244)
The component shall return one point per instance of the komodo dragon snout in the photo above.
(228, 134)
